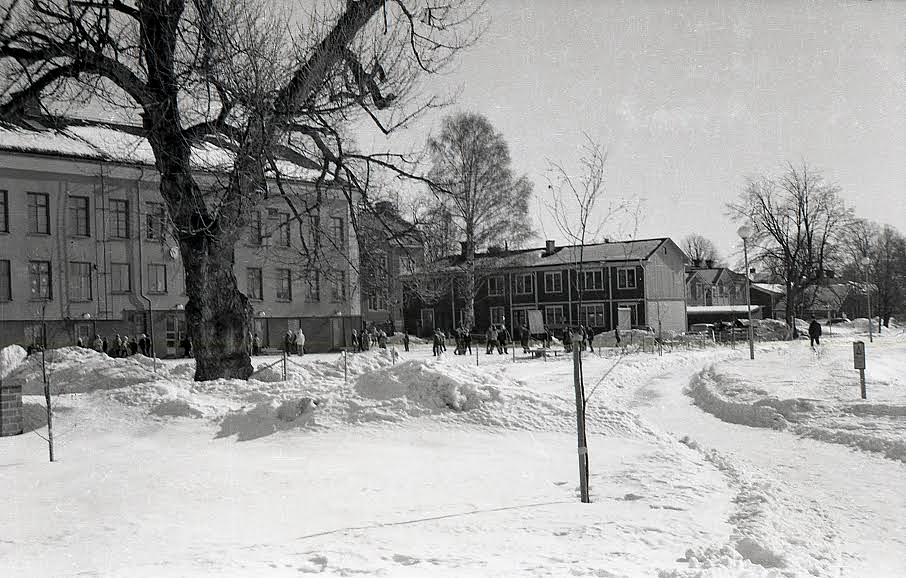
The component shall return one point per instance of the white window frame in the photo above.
(628, 275)
(552, 320)
(79, 216)
(528, 283)
(599, 309)
(38, 213)
(284, 286)
(553, 282)
(597, 276)
(119, 219)
(499, 288)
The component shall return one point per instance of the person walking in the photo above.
(406, 340)
(492, 338)
(814, 333)
(437, 343)
(289, 341)
(256, 345)
(355, 340)
(300, 342)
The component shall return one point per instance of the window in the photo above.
(39, 276)
(79, 223)
(497, 315)
(6, 282)
(284, 285)
(495, 285)
(283, 230)
(427, 316)
(553, 315)
(120, 278)
(155, 221)
(157, 278)
(4, 212)
(79, 281)
(39, 213)
(626, 278)
(338, 286)
(255, 232)
(314, 286)
(407, 264)
(592, 280)
(523, 284)
(593, 315)
(377, 301)
(553, 282)
(315, 229)
(119, 219)
(254, 283)
(337, 231)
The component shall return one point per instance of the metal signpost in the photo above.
(859, 363)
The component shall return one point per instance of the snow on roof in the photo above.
(770, 287)
(616, 251)
(718, 309)
(124, 144)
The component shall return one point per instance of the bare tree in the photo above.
(580, 208)
(885, 248)
(241, 75)
(700, 249)
(799, 221)
(476, 194)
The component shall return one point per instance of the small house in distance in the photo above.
(716, 294)
(574, 285)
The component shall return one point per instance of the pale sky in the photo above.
(690, 98)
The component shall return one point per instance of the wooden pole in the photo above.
(861, 383)
(46, 388)
(580, 425)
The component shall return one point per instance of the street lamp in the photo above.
(866, 262)
(744, 233)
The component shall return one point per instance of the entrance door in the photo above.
(174, 333)
(336, 333)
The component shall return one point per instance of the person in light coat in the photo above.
(300, 342)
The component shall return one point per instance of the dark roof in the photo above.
(611, 252)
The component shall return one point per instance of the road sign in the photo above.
(859, 354)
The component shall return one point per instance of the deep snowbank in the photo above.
(814, 395)
(10, 358)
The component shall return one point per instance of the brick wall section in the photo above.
(10, 410)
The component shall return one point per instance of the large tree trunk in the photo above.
(218, 315)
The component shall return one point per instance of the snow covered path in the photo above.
(862, 493)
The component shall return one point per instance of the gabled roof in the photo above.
(611, 252)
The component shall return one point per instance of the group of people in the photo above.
(293, 342)
(578, 337)
(119, 346)
(364, 339)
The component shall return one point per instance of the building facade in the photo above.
(86, 249)
(600, 286)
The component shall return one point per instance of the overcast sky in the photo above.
(691, 98)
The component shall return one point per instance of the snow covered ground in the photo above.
(404, 465)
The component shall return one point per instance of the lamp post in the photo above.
(744, 233)
(866, 261)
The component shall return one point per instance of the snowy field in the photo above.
(412, 466)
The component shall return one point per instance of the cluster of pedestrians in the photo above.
(119, 346)
(293, 342)
(582, 341)
(366, 338)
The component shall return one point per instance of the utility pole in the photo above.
(580, 424)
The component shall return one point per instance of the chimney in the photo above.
(549, 247)
(709, 263)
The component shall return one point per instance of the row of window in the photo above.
(78, 213)
(591, 316)
(278, 226)
(523, 283)
(283, 288)
(81, 279)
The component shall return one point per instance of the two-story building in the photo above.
(640, 281)
(86, 247)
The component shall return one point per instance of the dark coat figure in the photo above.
(492, 339)
(616, 335)
(143, 345)
(79, 342)
(289, 341)
(567, 341)
(104, 345)
(355, 340)
(814, 333)
(256, 345)
(406, 340)
(186, 347)
(503, 339)
(133, 346)
(524, 338)
(438, 342)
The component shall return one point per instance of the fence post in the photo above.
(284, 364)
(345, 366)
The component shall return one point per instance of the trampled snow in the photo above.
(402, 464)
